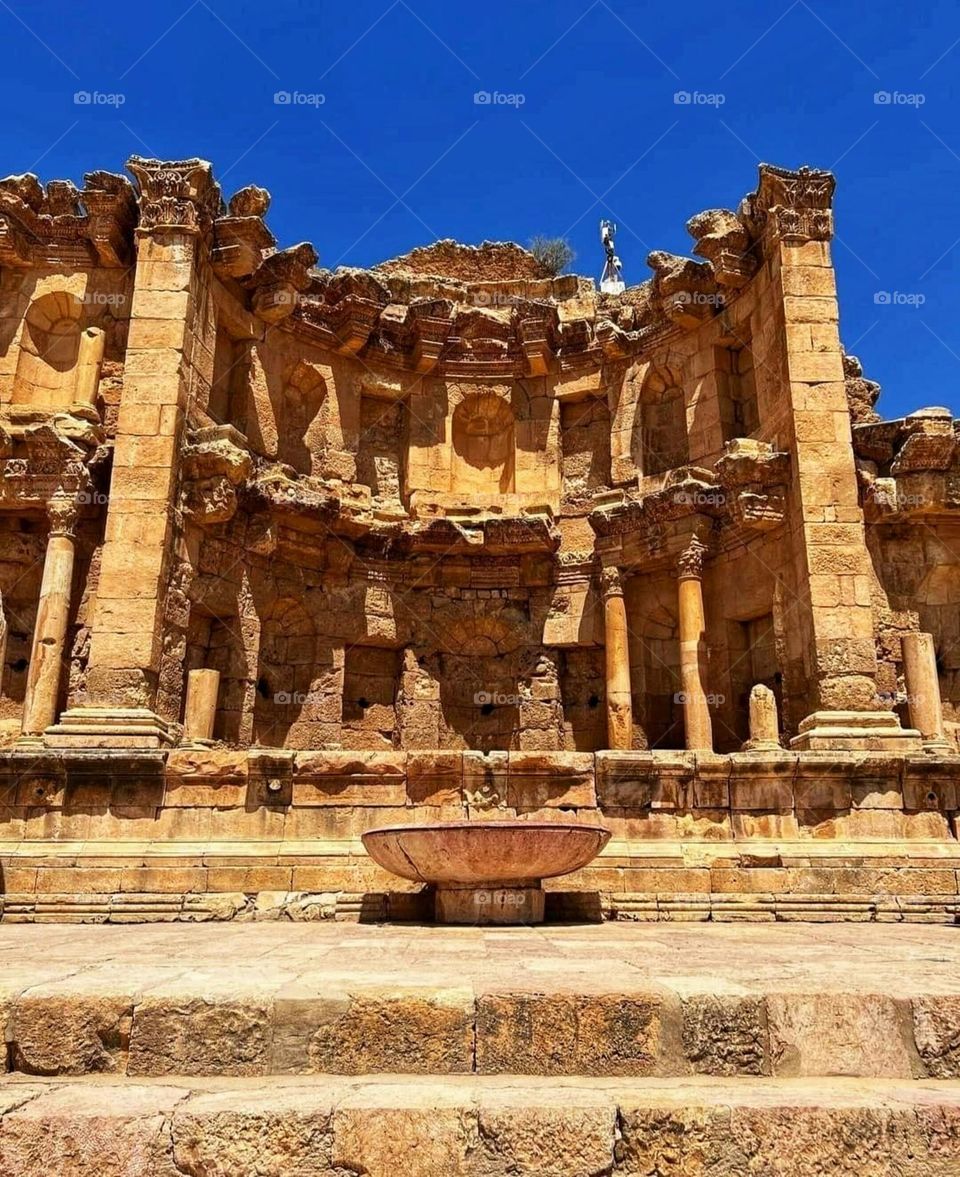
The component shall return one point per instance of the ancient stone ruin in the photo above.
(287, 554)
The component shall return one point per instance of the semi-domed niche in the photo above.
(660, 441)
(483, 445)
(49, 350)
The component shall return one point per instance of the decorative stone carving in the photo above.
(793, 206)
(176, 194)
(214, 465)
(724, 241)
(280, 279)
(691, 560)
(611, 582)
(241, 239)
(687, 290)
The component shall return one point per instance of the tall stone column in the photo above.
(617, 650)
(178, 201)
(831, 642)
(697, 725)
(924, 705)
(50, 632)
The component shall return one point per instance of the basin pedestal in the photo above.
(498, 903)
(486, 872)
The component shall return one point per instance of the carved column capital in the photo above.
(691, 559)
(62, 513)
(177, 194)
(611, 582)
(794, 206)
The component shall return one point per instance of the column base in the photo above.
(855, 731)
(764, 746)
(108, 727)
(498, 903)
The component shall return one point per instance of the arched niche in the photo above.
(49, 351)
(484, 445)
(660, 433)
(285, 673)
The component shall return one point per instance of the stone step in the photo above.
(445, 1126)
(607, 1000)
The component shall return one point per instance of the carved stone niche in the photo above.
(724, 240)
(482, 433)
(686, 290)
(241, 238)
(279, 281)
(791, 206)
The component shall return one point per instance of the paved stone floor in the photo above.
(890, 959)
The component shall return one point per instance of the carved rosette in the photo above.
(691, 560)
(794, 206)
(176, 194)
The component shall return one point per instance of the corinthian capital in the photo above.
(611, 582)
(179, 194)
(793, 206)
(62, 513)
(690, 561)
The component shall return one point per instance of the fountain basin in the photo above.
(486, 871)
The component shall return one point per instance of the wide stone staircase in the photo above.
(344, 1049)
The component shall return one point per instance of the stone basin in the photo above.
(486, 871)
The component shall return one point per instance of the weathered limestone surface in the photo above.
(604, 1000)
(289, 553)
(481, 1128)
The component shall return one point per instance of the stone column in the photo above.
(89, 365)
(923, 687)
(49, 635)
(619, 703)
(203, 687)
(764, 723)
(178, 201)
(696, 714)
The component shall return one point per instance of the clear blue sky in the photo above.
(398, 152)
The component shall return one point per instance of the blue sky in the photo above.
(383, 146)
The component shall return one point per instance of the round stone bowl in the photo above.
(486, 871)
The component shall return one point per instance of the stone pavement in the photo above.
(343, 1049)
